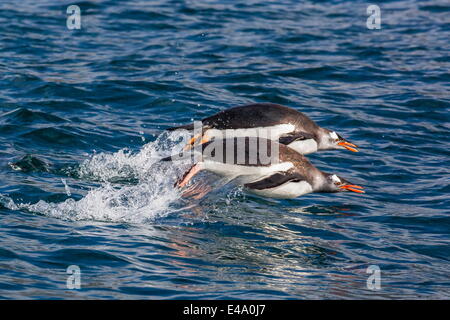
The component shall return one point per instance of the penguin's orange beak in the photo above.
(349, 146)
(352, 187)
(203, 139)
(190, 144)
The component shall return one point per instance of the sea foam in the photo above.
(134, 186)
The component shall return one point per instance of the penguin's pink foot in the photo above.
(197, 191)
(188, 176)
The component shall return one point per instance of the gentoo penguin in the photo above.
(262, 166)
(268, 120)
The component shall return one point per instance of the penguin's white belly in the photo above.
(304, 146)
(251, 173)
(271, 132)
(287, 190)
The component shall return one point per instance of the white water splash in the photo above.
(125, 164)
(151, 194)
(66, 187)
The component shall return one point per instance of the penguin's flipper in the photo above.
(295, 136)
(275, 180)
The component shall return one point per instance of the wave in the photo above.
(134, 186)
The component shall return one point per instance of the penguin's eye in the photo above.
(337, 183)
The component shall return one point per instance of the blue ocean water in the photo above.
(82, 119)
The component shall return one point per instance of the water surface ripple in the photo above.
(82, 115)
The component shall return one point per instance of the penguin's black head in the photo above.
(333, 183)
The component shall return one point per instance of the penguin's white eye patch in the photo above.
(335, 178)
(333, 135)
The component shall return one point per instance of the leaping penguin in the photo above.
(263, 167)
(285, 125)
